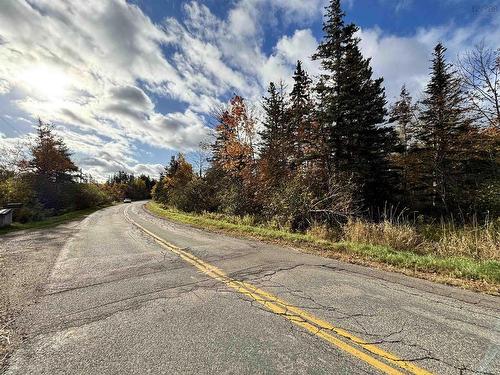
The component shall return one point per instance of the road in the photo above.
(130, 293)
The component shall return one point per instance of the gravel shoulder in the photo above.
(26, 261)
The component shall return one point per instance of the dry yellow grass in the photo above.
(475, 241)
(397, 236)
(480, 242)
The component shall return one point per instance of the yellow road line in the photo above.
(295, 315)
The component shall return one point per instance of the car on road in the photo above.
(127, 200)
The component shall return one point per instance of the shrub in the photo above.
(289, 205)
(90, 195)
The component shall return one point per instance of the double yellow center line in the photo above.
(373, 355)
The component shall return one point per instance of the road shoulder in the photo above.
(26, 261)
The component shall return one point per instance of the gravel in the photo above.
(26, 260)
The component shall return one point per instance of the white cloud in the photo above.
(78, 63)
(225, 56)
(406, 59)
(400, 60)
(280, 65)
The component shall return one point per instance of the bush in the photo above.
(289, 205)
(19, 189)
(197, 196)
(90, 195)
(297, 205)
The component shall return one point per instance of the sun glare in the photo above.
(46, 83)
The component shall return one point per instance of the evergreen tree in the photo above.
(444, 129)
(53, 171)
(173, 166)
(352, 111)
(276, 140)
(403, 112)
(51, 157)
(304, 130)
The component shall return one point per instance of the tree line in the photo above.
(331, 148)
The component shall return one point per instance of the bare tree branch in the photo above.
(480, 72)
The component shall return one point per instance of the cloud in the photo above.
(280, 65)
(79, 64)
(132, 95)
(406, 59)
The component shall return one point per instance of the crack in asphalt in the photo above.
(265, 276)
(422, 294)
(124, 278)
(385, 338)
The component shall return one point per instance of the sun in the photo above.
(46, 82)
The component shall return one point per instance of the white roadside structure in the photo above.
(5, 217)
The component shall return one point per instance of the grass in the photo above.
(481, 242)
(355, 247)
(50, 221)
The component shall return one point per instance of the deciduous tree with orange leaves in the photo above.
(234, 156)
(233, 150)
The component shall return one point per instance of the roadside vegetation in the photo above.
(52, 189)
(329, 164)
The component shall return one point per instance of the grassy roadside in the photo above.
(475, 274)
(51, 221)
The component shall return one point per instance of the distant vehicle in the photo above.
(127, 200)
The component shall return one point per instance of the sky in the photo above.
(128, 84)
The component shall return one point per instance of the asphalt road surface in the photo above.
(131, 293)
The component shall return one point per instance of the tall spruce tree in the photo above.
(51, 157)
(352, 111)
(303, 127)
(276, 150)
(442, 135)
(52, 167)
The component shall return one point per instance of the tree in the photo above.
(51, 158)
(50, 169)
(403, 114)
(149, 183)
(171, 189)
(305, 132)
(444, 129)
(352, 111)
(276, 141)
(480, 73)
(201, 157)
(233, 154)
(233, 150)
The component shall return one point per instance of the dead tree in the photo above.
(480, 72)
